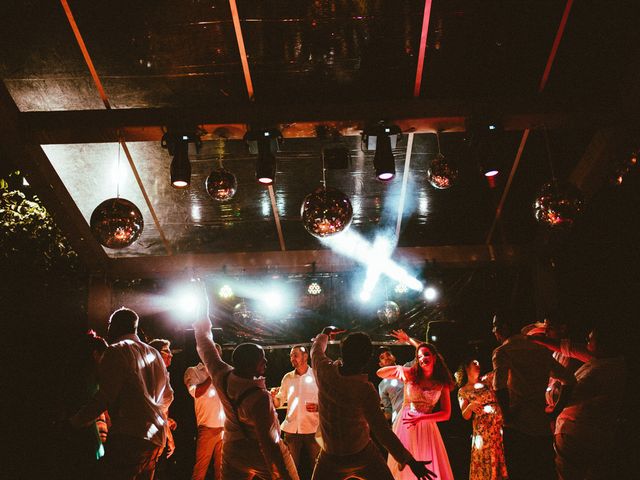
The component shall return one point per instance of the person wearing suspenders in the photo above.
(252, 445)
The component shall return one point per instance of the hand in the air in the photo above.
(400, 335)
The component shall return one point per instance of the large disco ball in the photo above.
(389, 312)
(557, 205)
(325, 212)
(242, 313)
(116, 223)
(442, 173)
(221, 185)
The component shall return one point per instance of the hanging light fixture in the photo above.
(116, 222)
(557, 204)
(264, 143)
(485, 143)
(177, 143)
(326, 211)
(442, 173)
(221, 184)
(383, 139)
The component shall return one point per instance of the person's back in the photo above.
(141, 400)
(529, 367)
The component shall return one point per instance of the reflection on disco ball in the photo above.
(221, 185)
(442, 173)
(116, 223)
(557, 205)
(325, 212)
(389, 312)
(241, 312)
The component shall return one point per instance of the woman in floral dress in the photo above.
(479, 401)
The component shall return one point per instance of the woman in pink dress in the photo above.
(426, 384)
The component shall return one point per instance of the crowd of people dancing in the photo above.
(544, 410)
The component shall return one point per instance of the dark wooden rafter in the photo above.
(300, 261)
(295, 120)
(45, 181)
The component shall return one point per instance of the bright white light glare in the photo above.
(492, 127)
(434, 338)
(376, 257)
(225, 292)
(272, 300)
(196, 214)
(430, 294)
(187, 303)
(119, 172)
(488, 409)
(265, 204)
(401, 288)
(491, 173)
(314, 288)
(386, 176)
(25, 183)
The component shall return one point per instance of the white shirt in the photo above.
(295, 390)
(209, 411)
(134, 387)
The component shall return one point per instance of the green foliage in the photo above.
(29, 237)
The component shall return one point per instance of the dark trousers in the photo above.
(129, 458)
(528, 457)
(367, 463)
(299, 441)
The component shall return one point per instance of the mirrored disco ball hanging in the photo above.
(325, 212)
(442, 173)
(242, 313)
(221, 185)
(389, 312)
(557, 205)
(116, 223)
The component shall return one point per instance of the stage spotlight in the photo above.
(485, 142)
(225, 292)
(383, 139)
(314, 288)
(177, 143)
(264, 143)
(273, 301)
(430, 294)
(187, 303)
(180, 165)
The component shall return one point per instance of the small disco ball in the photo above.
(221, 185)
(557, 205)
(241, 312)
(116, 223)
(325, 212)
(389, 312)
(442, 173)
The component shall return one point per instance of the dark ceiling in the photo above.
(321, 60)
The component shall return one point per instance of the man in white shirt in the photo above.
(299, 391)
(391, 390)
(134, 387)
(209, 418)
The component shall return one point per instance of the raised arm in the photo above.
(402, 337)
(204, 340)
(394, 371)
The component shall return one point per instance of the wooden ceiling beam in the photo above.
(296, 120)
(301, 261)
(43, 178)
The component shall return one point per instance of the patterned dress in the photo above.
(487, 451)
(423, 440)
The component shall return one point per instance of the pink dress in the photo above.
(423, 439)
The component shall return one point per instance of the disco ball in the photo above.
(389, 312)
(325, 212)
(221, 185)
(241, 312)
(442, 173)
(116, 223)
(557, 205)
